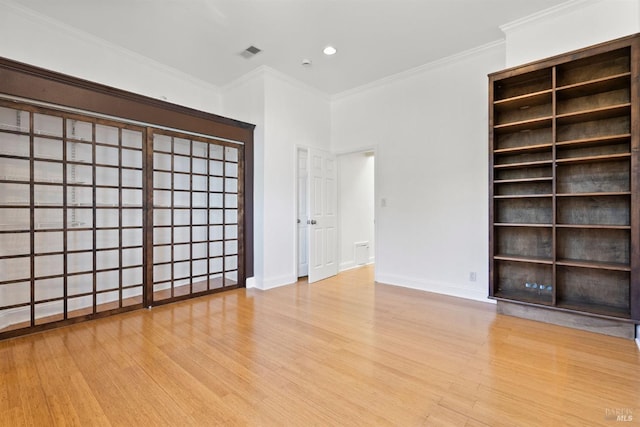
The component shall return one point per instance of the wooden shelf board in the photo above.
(525, 180)
(596, 265)
(594, 114)
(537, 163)
(601, 140)
(513, 224)
(589, 87)
(523, 196)
(527, 148)
(602, 194)
(534, 98)
(515, 258)
(595, 226)
(600, 158)
(524, 125)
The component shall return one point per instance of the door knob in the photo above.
(314, 222)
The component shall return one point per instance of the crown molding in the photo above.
(256, 73)
(272, 72)
(419, 70)
(560, 9)
(264, 71)
(41, 19)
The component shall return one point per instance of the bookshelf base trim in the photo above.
(621, 328)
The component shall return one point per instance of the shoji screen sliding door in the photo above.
(197, 215)
(99, 216)
(71, 216)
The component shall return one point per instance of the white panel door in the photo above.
(323, 203)
(303, 213)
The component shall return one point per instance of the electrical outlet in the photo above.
(473, 276)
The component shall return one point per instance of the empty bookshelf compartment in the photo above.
(603, 177)
(522, 85)
(523, 188)
(602, 210)
(614, 147)
(524, 139)
(535, 210)
(523, 174)
(594, 67)
(523, 242)
(524, 281)
(605, 248)
(523, 158)
(569, 130)
(592, 290)
(585, 101)
(523, 108)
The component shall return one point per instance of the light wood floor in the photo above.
(340, 352)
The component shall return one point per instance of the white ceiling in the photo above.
(374, 38)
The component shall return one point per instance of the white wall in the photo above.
(293, 115)
(245, 100)
(430, 130)
(572, 25)
(356, 205)
(296, 115)
(41, 41)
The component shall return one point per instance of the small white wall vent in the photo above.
(362, 253)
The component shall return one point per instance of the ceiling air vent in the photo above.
(250, 52)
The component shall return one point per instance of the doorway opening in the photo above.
(339, 190)
(356, 208)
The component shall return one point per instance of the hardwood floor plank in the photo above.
(343, 351)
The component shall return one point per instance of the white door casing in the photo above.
(323, 203)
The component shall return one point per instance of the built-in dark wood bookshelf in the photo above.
(564, 174)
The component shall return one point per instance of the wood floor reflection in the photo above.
(344, 351)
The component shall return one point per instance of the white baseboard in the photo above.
(350, 265)
(275, 282)
(476, 293)
(250, 283)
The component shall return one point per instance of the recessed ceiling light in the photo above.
(329, 50)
